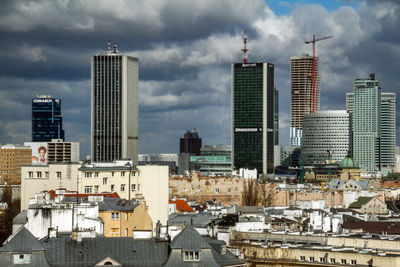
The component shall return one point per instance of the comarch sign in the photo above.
(42, 100)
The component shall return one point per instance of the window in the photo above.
(114, 232)
(353, 262)
(22, 259)
(46, 174)
(114, 216)
(122, 188)
(126, 231)
(138, 187)
(104, 180)
(30, 174)
(191, 255)
(112, 188)
(88, 174)
(88, 189)
(311, 259)
(343, 261)
(39, 174)
(217, 190)
(122, 174)
(322, 259)
(133, 187)
(112, 174)
(229, 190)
(302, 258)
(332, 260)
(96, 174)
(58, 175)
(96, 188)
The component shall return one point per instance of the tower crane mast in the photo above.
(313, 41)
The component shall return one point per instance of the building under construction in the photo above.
(301, 69)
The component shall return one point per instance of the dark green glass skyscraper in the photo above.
(253, 109)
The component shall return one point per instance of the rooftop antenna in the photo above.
(109, 47)
(115, 48)
(244, 49)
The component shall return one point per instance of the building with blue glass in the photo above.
(46, 119)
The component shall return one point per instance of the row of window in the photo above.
(331, 260)
(95, 189)
(43, 175)
(96, 174)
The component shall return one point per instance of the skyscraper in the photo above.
(253, 113)
(301, 69)
(190, 143)
(374, 125)
(46, 119)
(114, 107)
(367, 94)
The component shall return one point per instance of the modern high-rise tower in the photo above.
(114, 107)
(190, 143)
(301, 69)
(253, 113)
(46, 119)
(374, 125)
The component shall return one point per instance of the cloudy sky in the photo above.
(185, 49)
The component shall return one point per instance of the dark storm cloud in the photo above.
(185, 49)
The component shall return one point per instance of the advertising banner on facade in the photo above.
(39, 152)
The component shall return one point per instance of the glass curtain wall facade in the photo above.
(46, 119)
(326, 136)
(253, 116)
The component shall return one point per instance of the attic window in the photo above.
(22, 259)
(191, 256)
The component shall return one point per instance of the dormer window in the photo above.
(191, 255)
(223, 249)
(22, 259)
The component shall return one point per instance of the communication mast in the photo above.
(313, 41)
(244, 49)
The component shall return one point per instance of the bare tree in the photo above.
(258, 192)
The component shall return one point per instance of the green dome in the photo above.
(348, 162)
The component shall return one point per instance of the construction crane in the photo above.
(313, 41)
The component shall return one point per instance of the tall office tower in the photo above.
(253, 116)
(326, 136)
(388, 131)
(12, 157)
(190, 143)
(374, 125)
(301, 69)
(114, 107)
(46, 119)
(276, 118)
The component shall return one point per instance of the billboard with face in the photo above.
(39, 152)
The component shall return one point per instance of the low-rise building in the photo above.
(369, 205)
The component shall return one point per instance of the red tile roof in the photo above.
(72, 194)
(181, 205)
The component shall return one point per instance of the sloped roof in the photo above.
(22, 241)
(21, 217)
(181, 205)
(360, 202)
(198, 219)
(189, 240)
(117, 204)
(126, 250)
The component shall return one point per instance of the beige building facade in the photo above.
(149, 181)
(38, 178)
(12, 157)
(227, 190)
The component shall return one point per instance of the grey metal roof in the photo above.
(125, 250)
(21, 217)
(249, 209)
(198, 219)
(22, 241)
(117, 204)
(189, 240)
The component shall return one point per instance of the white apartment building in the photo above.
(129, 181)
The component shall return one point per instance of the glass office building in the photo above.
(46, 119)
(253, 113)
